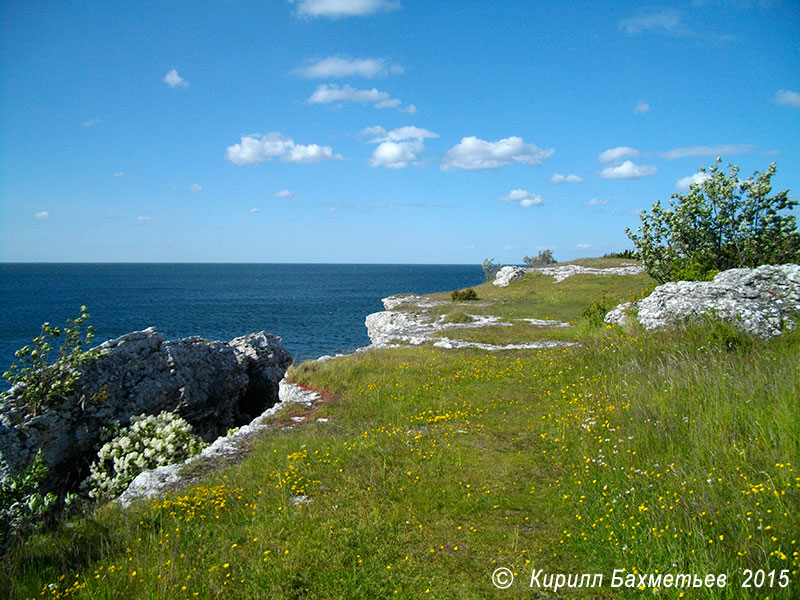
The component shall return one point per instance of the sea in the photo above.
(318, 309)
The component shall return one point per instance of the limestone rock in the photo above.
(508, 274)
(561, 272)
(761, 301)
(212, 385)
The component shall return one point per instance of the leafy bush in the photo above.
(545, 257)
(22, 507)
(45, 383)
(464, 295)
(149, 442)
(722, 223)
(490, 269)
(630, 254)
(593, 316)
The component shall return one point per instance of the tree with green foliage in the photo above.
(44, 382)
(721, 223)
(545, 257)
(490, 269)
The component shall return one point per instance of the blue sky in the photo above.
(377, 130)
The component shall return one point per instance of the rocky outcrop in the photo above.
(213, 385)
(561, 272)
(390, 328)
(507, 274)
(225, 451)
(761, 301)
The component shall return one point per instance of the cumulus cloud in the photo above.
(618, 153)
(787, 98)
(255, 210)
(91, 122)
(628, 170)
(329, 93)
(284, 194)
(173, 80)
(524, 197)
(584, 246)
(144, 218)
(596, 202)
(42, 215)
(261, 148)
(344, 66)
(119, 174)
(343, 8)
(195, 187)
(571, 178)
(685, 183)
(641, 107)
(667, 21)
(719, 150)
(474, 153)
(399, 148)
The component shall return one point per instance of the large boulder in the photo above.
(508, 274)
(213, 385)
(761, 301)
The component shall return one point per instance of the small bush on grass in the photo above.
(149, 442)
(468, 294)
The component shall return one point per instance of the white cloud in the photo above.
(596, 202)
(143, 218)
(91, 122)
(119, 174)
(42, 215)
(474, 153)
(195, 187)
(396, 135)
(641, 107)
(173, 80)
(328, 93)
(524, 197)
(667, 21)
(255, 210)
(399, 148)
(719, 150)
(396, 155)
(584, 246)
(628, 170)
(618, 153)
(343, 8)
(559, 178)
(508, 247)
(344, 66)
(284, 194)
(788, 98)
(685, 183)
(261, 148)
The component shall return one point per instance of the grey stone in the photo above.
(212, 385)
(761, 301)
(508, 274)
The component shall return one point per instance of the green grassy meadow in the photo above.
(651, 453)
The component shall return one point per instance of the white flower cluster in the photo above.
(149, 442)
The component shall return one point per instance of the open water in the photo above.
(316, 308)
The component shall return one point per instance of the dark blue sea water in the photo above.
(316, 308)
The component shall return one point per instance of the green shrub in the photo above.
(490, 269)
(45, 383)
(593, 315)
(149, 442)
(468, 294)
(545, 257)
(23, 508)
(722, 223)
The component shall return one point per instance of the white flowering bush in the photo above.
(150, 441)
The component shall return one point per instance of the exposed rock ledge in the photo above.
(213, 385)
(224, 451)
(762, 301)
(560, 273)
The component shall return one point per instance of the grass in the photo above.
(669, 452)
